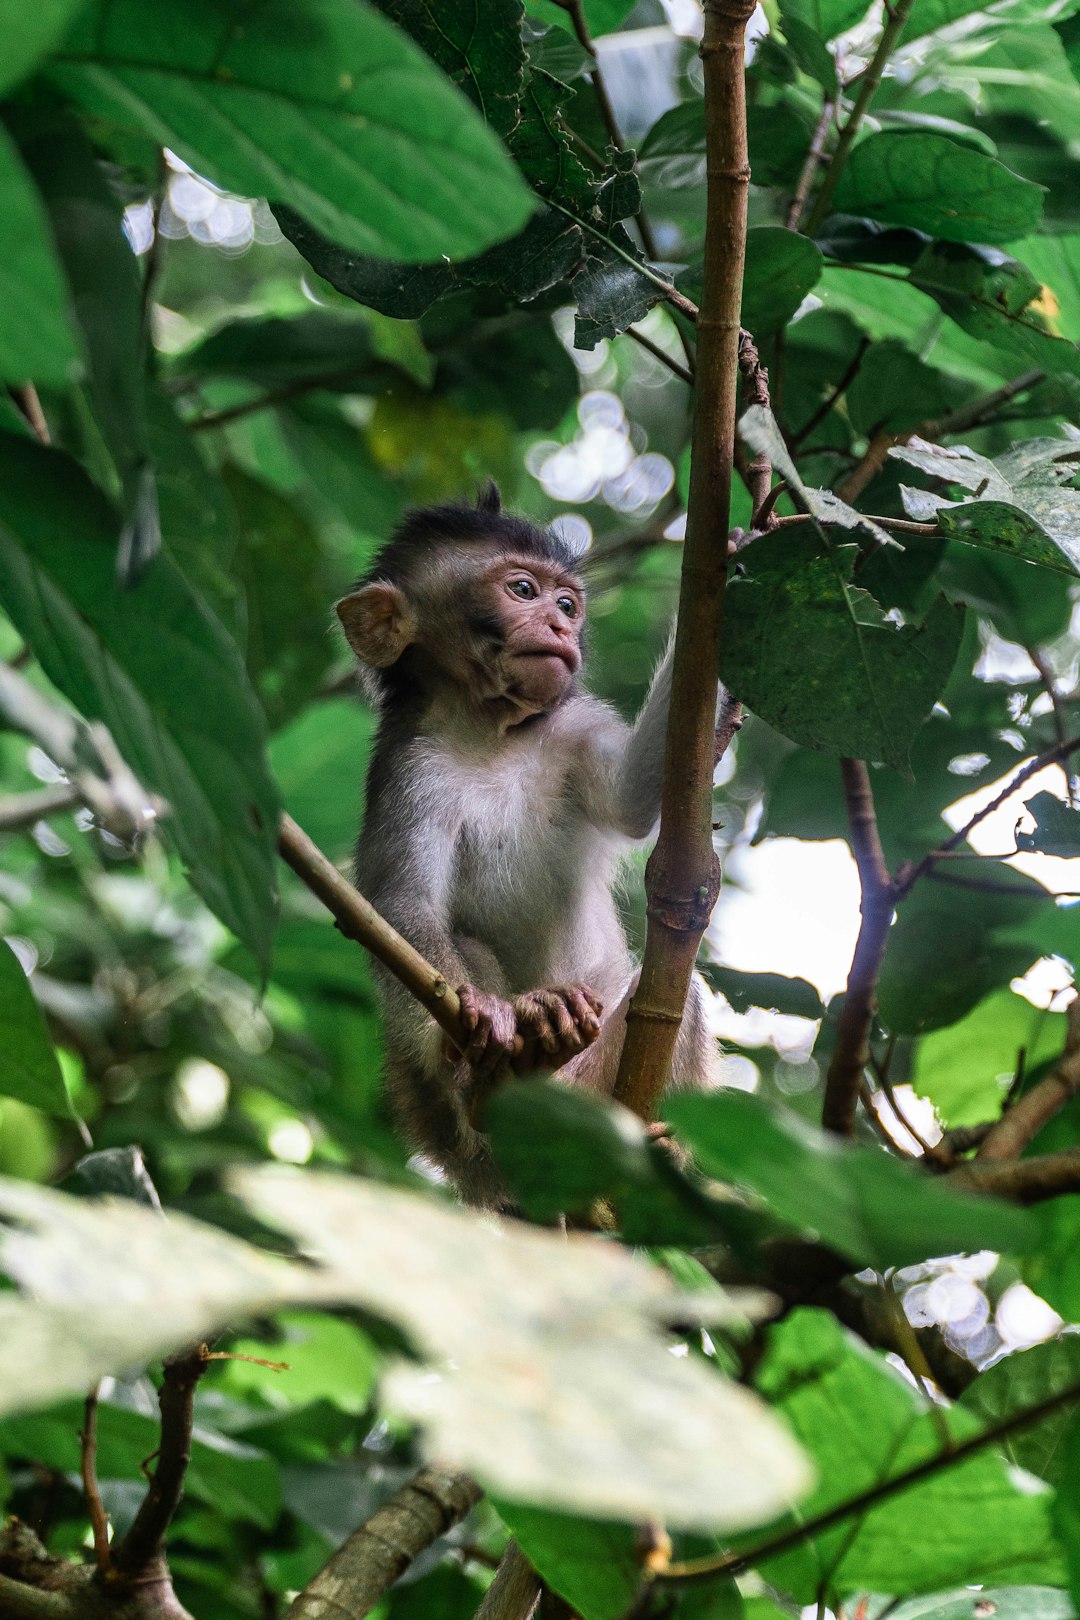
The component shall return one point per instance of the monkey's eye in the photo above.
(568, 605)
(524, 588)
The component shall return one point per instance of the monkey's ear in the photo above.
(378, 623)
(489, 500)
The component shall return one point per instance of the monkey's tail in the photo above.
(515, 1591)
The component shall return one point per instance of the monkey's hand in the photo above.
(492, 1026)
(555, 1024)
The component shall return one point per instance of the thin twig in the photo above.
(99, 1523)
(810, 166)
(1057, 708)
(1022, 1121)
(660, 354)
(27, 809)
(357, 919)
(852, 1052)
(329, 381)
(894, 525)
(142, 1543)
(909, 875)
(1024, 1181)
(706, 1569)
(896, 19)
(759, 472)
(835, 393)
(26, 398)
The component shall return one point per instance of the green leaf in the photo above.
(29, 32)
(478, 46)
(995, 298)
(595, 1567)
(967, 1067)
(1022, 1379)
(156, 668)
(28, 1066)
(937, 186)
(826, 17)
(1022, 507)
(319, 761)
(795, 997)
(1067, 1504)
(809, 50)
(37, 338)
(944, 957)
(894, 391)
(86, 219)
(816, 657)
(928, 16)
(334, 345)
(862, 1202)
(971, 1521)
(308, 102)
(1057, 827)
(781, 268)
(1009, 1603)
(758, 429)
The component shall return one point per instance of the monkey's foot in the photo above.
(492, 1026)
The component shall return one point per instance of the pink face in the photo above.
(542, 610)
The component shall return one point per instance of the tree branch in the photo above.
(138, 1550)
(703, 1569)
(836, 392)
(909, 874)
(25, 809)
(1023, 1121)
(99, 1523)
(515, 1591)
(860, 1000)
(810, 166)
(358, 920)
(21, 1602)
(1026, 1181)
(674, 366)
(86, 752)
(365, 1567)
(682, 877)
(897, 16)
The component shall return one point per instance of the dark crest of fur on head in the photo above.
(458, 524)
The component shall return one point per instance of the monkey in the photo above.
(501, 797)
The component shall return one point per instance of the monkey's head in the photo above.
(473, 603)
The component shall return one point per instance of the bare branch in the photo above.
(86, 752)
(99, 1523)
(682, 877)
(837, 391)
(25, 809)
(860, 1001)
(28, 403)
(357, 919)
(674, 366)
(365, 1566)
(142, 1545)
(896, 18)
(1023, 1121)
(1026, 1181)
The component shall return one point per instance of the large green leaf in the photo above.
(321, 104)
(967, 1067)
(861, 1201)
(1024, 1379)
(156, 667)
(86, 218)
(781, 268)
(28, 1066)
(28, 32)
(596, 1567)
(815, 655)
(970, 1521)
(994, 298)
(37, 340)
(939, 187)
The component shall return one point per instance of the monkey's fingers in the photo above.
(585, 1009)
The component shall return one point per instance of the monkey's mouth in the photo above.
(561, 655)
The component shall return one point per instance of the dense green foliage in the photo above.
(207, 427)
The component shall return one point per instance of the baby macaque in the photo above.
(500, 799)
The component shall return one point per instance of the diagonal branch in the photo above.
(705, 1569)
(358, 920)
(365, 1567)
(860, 1000)
(1021, 1123)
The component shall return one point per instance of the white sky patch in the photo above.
(795, 911)
(996, 835)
